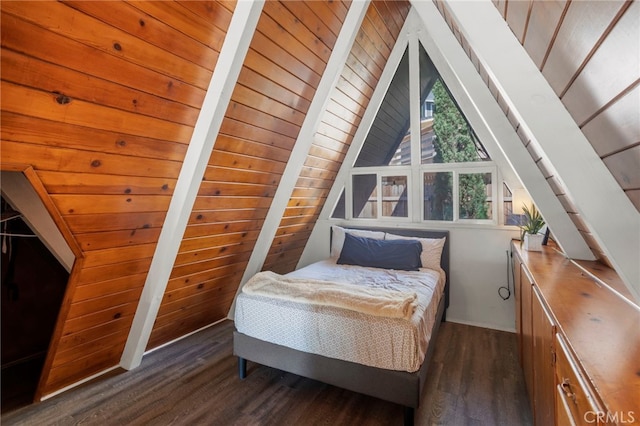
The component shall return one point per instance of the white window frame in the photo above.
(415, 172)
(380, 172)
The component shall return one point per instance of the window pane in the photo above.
(394, 196)
(455, 141)
(365, 193)
(388, 141)
(509, 217)
(475, 196)
(338, 211)
(438, 196)
(428, 76)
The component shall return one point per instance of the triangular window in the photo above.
(420, 146)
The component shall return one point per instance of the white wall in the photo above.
(478, 269)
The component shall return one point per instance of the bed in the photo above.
(329, 342)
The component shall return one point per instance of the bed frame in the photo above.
(399, 387)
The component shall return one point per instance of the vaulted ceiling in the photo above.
(181, 146)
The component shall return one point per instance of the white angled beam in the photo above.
(224, 78)
(314, 115)
(599, 199)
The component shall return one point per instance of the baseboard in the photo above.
(480, 324)
(81, 382)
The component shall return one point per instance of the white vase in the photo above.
(533, 242)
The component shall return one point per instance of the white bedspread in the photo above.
(380, 302)
(335, 332)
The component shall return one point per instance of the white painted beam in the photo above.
(599, 199)
(224, 78)
(314, 115)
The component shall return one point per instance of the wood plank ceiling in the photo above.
(99, 101)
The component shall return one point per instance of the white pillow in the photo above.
(337, 237)
(431, 249)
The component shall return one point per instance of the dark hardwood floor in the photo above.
(474, 379)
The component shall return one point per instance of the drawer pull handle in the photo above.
(566, 388)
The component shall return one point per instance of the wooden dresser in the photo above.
(579, 340)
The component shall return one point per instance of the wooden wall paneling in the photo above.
(213, 13)
(544, 21)
(216, 240)
(224, 162)
(617, 127)
(266, 136)
(110, 271)
(77, 85)
(76, 183)
(281, 71)
(58, 107)
(582, 28)
(253, 148)
(113, 221)
(28, 38)
(611, 70)
(106, 286)
(64, 374)
(199, 230)
(316, 19)
(230, 259)
(289, 53)
(93, 203)
(199, 288)
(182, 323)
(74, 160)
(211, 188)
(289, 77)
(110, 239)
(352, 88)
(56, 134)
(369, 53)
(625, 167)
(102, 36)
(517, 13)
(102, 101)
(167, 34)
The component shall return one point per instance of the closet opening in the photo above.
(33, 283)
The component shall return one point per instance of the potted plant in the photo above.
(533, 223)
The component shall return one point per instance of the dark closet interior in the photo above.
(33, 285)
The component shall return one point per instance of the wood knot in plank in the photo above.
(62, 99)
(96, 163)
(117, 46)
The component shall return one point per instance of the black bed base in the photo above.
(399, 387)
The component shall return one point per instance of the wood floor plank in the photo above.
(474, 379)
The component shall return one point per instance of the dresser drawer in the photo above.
(575, 397)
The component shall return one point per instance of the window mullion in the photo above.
(414, 117)
(456, 195)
